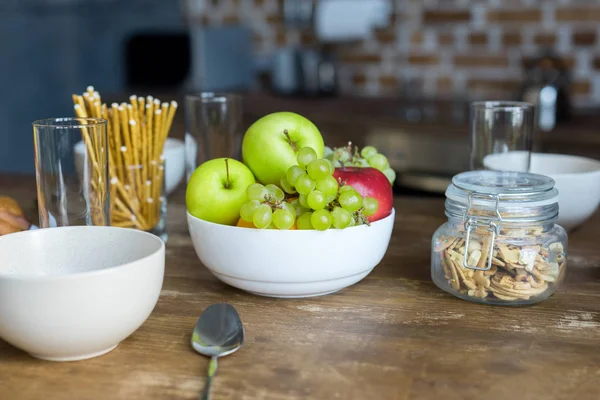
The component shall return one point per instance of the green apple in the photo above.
(270, 145)
(217, 190)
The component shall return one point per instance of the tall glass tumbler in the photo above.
(66, 198)
(501, 135)
(213, 128)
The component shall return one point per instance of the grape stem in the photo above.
(227, 171)
(286, 133)
(273, 202)
(355, 156)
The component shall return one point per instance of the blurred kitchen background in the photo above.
(397, 74)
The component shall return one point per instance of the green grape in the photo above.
(341, 154)
(316, 200)
(321, 220)
(305, 156)
(341, 218)
(362, 163)
(289, 189)
(293, 173)
(296, 205)
(352, 221)
(318, 169)
(262, 216)
(256, 191)
(329, 186)
(345, 188)
(247, 210)
(290, 208)
(283, 219)
(275, 192)
(351, 200)
(327, 152)
(368, 151)
(330, 199)
(337, 164)
(304, 184)
(302, 201)
(390, 174)
(303, 221)
(302, 210)
(331, 167)
(370, 206)
(379, 161)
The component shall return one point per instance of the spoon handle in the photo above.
(212, 369)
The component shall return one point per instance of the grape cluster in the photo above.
(367, 157)
(267, 208)
(315, 199)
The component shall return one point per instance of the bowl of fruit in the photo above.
(295, 219)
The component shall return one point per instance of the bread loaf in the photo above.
(12, 218)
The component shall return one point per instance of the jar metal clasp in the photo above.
(492, 224)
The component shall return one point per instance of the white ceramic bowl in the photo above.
(296, 263)
(577, 180)
(173, 151)
(76, 292)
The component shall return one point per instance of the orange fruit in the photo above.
(244, 224)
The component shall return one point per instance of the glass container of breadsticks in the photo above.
(136, 134)
(501, 244)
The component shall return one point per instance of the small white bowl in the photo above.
(295, 263)
(576, 178)
(173, 151)
(74, 293)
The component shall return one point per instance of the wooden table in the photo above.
(392, 336)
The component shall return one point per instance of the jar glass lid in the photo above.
(511, 188)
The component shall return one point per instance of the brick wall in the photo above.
(445, 47)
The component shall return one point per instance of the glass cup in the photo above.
(213, 128)
(501, 135)
(66, 198)
(139, 198)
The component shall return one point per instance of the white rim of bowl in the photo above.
(571, 156)
(296, 231)
(76, 275)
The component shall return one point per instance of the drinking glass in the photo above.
(66, 197)
(501, 135)
(141, 201)
(213, 128)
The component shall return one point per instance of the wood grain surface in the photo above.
(392, 336)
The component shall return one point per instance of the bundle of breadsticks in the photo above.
(136, 135)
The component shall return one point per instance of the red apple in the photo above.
(369, 182)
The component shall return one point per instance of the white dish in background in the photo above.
(173, 151)
(73, 293)
(294, 263)
(577, 180)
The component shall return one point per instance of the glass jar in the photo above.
(501, 244)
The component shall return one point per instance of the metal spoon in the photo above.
(217, 333)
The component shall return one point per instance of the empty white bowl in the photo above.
(577, 180)
(173, 152)
(73, 293)
(294, 263)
